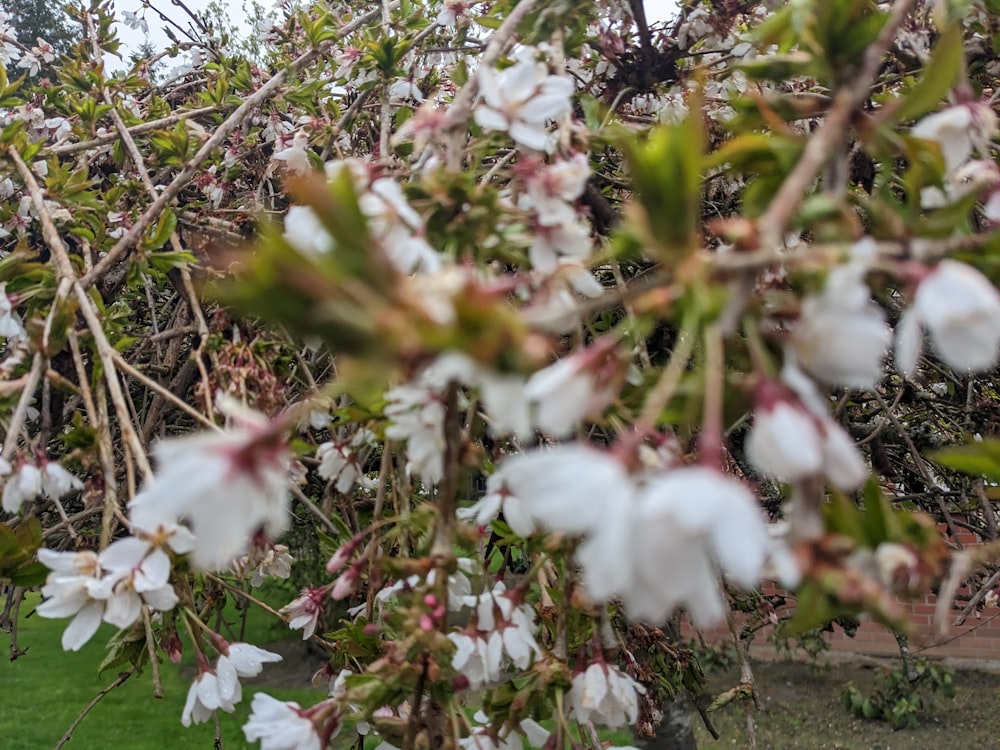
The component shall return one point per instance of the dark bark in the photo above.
(675, 731)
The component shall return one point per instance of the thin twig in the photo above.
(208, 148)
(90, 706)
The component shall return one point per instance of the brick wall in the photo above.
(976, 638)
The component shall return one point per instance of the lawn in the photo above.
(46, 688)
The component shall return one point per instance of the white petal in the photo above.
(83, 627)
(908, 343)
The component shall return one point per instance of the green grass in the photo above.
(45, 689)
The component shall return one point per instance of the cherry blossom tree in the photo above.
(548, 328)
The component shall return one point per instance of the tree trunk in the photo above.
(674, 732)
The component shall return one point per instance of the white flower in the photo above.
(56, 481)
(957, 130)
(790, 442)
(499, 498)
(133, 21)
(23, 485)
(841, 337)
(479, 659)
(111, 586)
(686, 522)
(66, 593)
(960, 309)
(296, 156)
(336, 463)
(208, 694)
(566, 242)
(31, 63)
(579, 490)
(274, 561)
(303, 613)
(416, 415)
(514, 628)
(580, 385)
(10, 322)
(604, 695)
(227, 484)
(280, 725)
(400, 228)
(240, 660)
(402, 91)
(136, 573)
(784, 441)
(522, 99)
(305, 232)
(248, 660)
(451, 11)
(554, 186)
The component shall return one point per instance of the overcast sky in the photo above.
(656, 10)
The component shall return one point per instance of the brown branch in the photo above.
(90, 706)
(208, 148)
(823, 142)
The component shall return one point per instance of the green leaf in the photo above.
(8, 541)
(868, 709)
(128, 646)
(939, 76)
(979, 459)
(667, 172)
(30, 574)
(164, 228)
(879, 520)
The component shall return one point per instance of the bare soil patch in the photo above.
(805, 712)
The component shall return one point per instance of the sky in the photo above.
(656, 10)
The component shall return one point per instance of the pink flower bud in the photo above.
(342, 556)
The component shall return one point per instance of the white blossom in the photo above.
(451, 12)
(841, 337)
(136, 573)
(133, 21)
(337, 464)
(24, 485)
(791, 443)
(687, 522)
(228, 485)
(280, 725)
(960, 309)
(274, 561)
(208, 694)
(603, 695)
(559, 243)
(578, 386)
(497, 614)
(67, 594)
(56, 481)
(416, 414)
(576, 489)
(479, 659)
(11, 326)
(296, 155)
(240, 660)
(522, 99)
(957, 130)
(303, 612)
(305, 232)
(497, 498)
